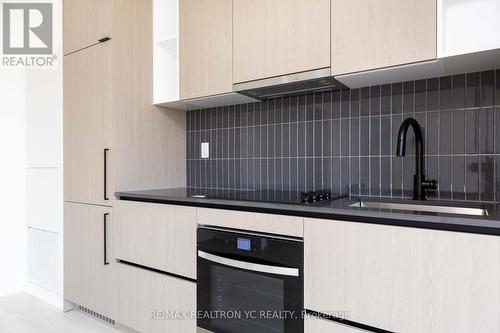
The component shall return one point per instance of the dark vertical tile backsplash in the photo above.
(346, 140)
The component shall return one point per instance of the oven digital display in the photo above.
(244, 244)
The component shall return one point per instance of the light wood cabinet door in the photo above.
(88, 125)
(258, 222)
(150, 141)
(205, 42)
(146, 298)
(88, 257)
(369, 34)
(157, 235)
(318, 325)
(403, 279)
(85, 22)
(279, 37)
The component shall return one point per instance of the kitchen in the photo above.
(281, 165)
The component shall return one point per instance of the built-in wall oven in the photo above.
(249, 282)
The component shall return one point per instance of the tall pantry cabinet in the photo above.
(114, 138)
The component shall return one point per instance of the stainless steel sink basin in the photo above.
(421, 207)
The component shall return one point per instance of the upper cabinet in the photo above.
(205, 43)
(279, 37)
(370, 34)
(205, 52)
(85, 22)
(193, 58)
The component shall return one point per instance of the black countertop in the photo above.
(335, 210)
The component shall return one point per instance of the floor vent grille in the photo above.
(97, 315)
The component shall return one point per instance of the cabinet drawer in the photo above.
(403, 279)
(145, 298)
(157, 236)
(318, 325)
(274, 224)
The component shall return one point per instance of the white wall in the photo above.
(31, 193)
(44, 182)
(44, 185)
(12, 181)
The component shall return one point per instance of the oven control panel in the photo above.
(252, 245)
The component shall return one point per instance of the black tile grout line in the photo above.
(359, 138)
(465, 148)
(288, 181)
(275, 173)
(453, 143)
(494, 138)
(359, 143)
(305, 143)
(192, 114)
(349, 186)
(297, 148)
(402, 161)
(391, 186)
(439, 139)
(269, 180)
(477, 155)
(380, 147)
(479, 123)
(479, 108)
(472, 155)
(340, 143)
(205, 112)
(370, 111)
(414, 106)
(322, 143)
(282, 146)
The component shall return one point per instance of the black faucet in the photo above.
(420, 184)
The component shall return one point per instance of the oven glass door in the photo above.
(235, 296)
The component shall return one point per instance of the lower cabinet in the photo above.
(158, 236)
(151, 302)
(88, 257)
(318, 325)
(402, 279)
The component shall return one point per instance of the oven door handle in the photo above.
(276, 270)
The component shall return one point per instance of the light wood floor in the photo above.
(24, 313)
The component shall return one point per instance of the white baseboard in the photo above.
(44, 295)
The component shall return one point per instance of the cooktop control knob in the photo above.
(305, 197)
(316, 196)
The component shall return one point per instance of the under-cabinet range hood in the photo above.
(315, 80)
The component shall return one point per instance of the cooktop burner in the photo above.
(287, 197)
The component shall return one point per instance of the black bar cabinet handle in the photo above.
(106, 174)
(104, 39)
(105, 239)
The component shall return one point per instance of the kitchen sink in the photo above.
(421, 207)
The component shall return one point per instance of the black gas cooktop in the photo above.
(287, 197)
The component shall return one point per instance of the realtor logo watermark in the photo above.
(27, 34)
